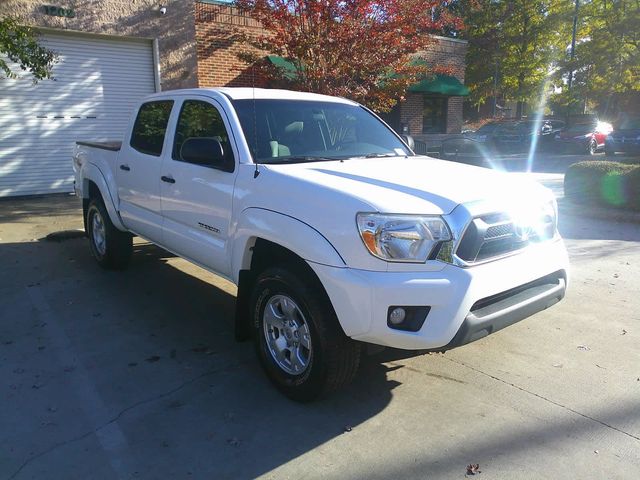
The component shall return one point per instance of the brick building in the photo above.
(113, 52)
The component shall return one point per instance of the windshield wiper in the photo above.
(299, 159)
(381, 155)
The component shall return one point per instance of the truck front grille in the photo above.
(496, 235)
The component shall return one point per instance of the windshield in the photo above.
(488, 128)
(582, 128)
(630, 124)
(292, 131)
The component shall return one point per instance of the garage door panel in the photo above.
(98, 81)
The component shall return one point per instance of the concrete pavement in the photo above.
(136, 375)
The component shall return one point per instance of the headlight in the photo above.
(401, 238)
(539, 222)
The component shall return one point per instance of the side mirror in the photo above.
(408, 139)
(205, 151)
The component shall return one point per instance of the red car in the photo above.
(584, 137)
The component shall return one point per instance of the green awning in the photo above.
(289, 69)
(440, 84)
(437, 84)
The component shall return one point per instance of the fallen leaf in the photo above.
(583, 347)
(473, 468)
(624, 332)
(153, 358)
(557, 365)
(596, 452)
(234, 442)
(200, 349)
(348, 428)
(133, 364)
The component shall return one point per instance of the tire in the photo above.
(110, 247)
(592, 147)
(300, 344)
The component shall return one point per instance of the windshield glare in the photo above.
(288, 131)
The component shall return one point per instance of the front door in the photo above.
(197, 199)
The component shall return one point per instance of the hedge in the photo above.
(604, 183)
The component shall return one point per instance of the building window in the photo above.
(434, 114)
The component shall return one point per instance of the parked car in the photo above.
(625, 137)
(486, 134)
(335, 232)
(517, 136)
(465, 150)
(583, 137)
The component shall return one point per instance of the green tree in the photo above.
(517, 41)
(19, 44)
(606, 65)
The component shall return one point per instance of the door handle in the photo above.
(167, 179)
(125, 168)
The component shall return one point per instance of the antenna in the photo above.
(255, 120)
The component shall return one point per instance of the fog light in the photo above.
(407, 318)
(397, 316)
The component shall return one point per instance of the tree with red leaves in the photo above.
(366, 50)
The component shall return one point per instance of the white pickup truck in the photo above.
(335, 232)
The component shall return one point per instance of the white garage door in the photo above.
(98, 81)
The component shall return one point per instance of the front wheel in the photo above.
(299, 341)
(110, 247)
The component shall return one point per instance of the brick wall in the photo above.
(217, 30)
(175, 31)
(445, 52)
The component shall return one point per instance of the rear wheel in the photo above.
(592, 147)
(299, 341)
(110, 247)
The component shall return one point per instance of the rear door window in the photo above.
(150, 127)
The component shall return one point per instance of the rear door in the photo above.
(138, 170)
(197, 199)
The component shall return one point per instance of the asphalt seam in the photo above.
(118, 416)
(537, 395)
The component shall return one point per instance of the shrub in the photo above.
(604, 183)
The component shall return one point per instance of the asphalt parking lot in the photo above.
(136, 375)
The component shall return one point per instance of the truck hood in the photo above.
(414, 185)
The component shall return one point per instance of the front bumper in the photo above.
(465, 303)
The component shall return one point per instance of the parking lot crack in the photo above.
(542, 397)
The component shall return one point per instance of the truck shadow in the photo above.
(156, 345)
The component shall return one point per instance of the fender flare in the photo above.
(91, 172)
(284, 230)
